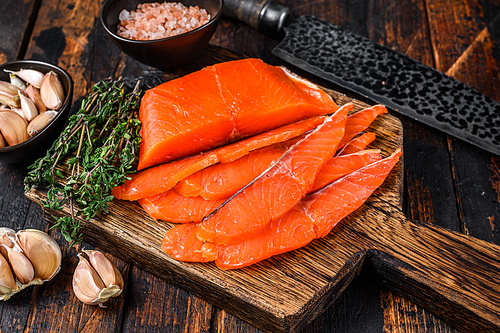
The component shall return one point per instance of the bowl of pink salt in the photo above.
(162, 35)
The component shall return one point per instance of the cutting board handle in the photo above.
(454, 275)
(267, 16)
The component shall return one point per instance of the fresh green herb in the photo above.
(98, 146)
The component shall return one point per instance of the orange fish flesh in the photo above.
(220, 104)
(277, 190)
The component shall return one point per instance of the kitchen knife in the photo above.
(377, 72)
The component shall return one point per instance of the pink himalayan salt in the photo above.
(159, 20)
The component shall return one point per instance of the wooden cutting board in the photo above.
(455, 276)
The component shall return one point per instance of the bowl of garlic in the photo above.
(35, 100)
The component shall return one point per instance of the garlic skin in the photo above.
(43, 252)
(13, 127)
(52, 91)
(96, 279)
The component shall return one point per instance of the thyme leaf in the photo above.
(98, 149)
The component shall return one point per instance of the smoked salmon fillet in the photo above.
(163, 177)
(220, 104)
(280, 188)
(313, 217)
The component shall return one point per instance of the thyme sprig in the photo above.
(98, 146)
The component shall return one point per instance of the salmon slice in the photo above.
(279, 189)
(359, 121)
(220, 104)
(222, 180)
(163, 177)
(173, 207)
(357, 144)
(313, 217)
(178, 208)
(182, 244)
(343, 165)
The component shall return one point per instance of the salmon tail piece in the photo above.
(312, 218)
(331, 204)
(357, 144)
(278, 189)
(359, 121)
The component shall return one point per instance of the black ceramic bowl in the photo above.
(36, 146)
(165, 53)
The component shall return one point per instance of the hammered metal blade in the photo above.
(393, 79)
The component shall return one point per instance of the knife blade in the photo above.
(377, 72)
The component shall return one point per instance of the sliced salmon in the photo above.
(340, 166)
(163, 177)
(174, 207)
(359, 121)
(277, 190)
(222, 180)
(357, 144)
(178, 208)
(223, 103)
(313, 217)
(182, 244)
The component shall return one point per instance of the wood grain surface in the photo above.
(446, 182)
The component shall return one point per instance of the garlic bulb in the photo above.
(31, 257)
(96, 279)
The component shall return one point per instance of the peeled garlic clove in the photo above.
(31, 76)
(108, 272)
(52, 91)
(7, 281)
(40, 122)
(42, 251)
(22, 267)
(34, 94)
(29, 108)
(87, 284)
(13, 127)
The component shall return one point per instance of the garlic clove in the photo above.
(31, 76)
(29, 108)
(7, 281)
(21, 266)
(10, 100)
(52, 91)
(13, 127)
(40, 122)
(43, 252)
(3, 143)
(87, 285)
(17, 81)
(34, 94)
(108, 272)
(9, 89)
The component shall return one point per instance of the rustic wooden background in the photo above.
(447, 182)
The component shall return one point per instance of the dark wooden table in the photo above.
(447, 182)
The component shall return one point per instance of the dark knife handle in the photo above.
(267, 16)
